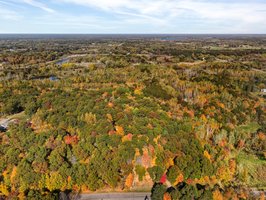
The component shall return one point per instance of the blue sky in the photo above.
(132, 16)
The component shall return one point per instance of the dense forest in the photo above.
(184, 119)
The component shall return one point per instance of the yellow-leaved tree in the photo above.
(129, 180)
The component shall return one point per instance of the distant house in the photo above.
(263, 90)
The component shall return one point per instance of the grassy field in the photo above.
(252, 170)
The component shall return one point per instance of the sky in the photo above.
(133, 16)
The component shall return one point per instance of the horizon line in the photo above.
(132, 33)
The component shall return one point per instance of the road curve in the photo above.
(116, 196)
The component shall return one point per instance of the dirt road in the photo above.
(116, 196)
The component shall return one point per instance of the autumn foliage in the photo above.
(184, 118)
(71, 139)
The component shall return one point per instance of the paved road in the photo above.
(116, 196)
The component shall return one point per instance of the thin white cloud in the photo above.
(135, 17)
(59, 23)
(143, 16)
(6, 3)
(7, 14)
(39, 5)
(163, 9)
